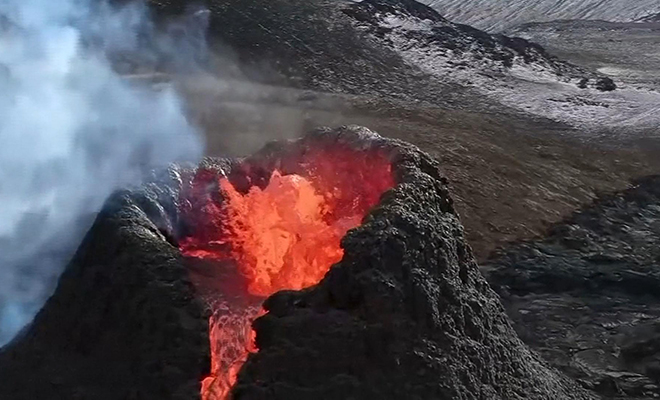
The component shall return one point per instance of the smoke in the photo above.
(72, 130)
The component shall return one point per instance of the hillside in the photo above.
(497, 15)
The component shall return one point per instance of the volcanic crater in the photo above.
(268, 223)
(333, 266)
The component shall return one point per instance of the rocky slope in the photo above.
(625, 51)
(404, 51)
(308, 44)
(655, 17)
(413, 29)
(511, 71)
(586, 295)
(497, 15)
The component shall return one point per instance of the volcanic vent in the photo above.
(330, 267)
(269, 223)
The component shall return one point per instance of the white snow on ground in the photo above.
(497, 15)
(531, 88)
(626, 108)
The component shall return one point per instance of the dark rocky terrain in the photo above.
(124, 322)
(286, 42)
(507, 71)
(586, 295)
(650, 18)
(375, 48)
(405, 314)
(583, 297)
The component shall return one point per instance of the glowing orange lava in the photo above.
(285, 235)
(280, 238)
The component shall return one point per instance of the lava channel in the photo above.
(282, 234)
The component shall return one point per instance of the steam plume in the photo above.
(71, 131)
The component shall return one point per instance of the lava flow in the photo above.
(284, 234)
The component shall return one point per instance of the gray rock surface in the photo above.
(586, 296)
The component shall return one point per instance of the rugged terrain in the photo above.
(521, 143)
(626, 51)
(654, 17)
(510, 71)
(497, 15)
(405, 306)
(586, 295)
(123, 323)
(404, 50)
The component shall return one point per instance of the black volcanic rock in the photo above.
(123, 323)
(348, 47)
(650, 18)
(373, 10)
(605, 84)
(587, 295)
(405, 314)
(583, 83)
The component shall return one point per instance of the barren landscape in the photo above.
(304, 199)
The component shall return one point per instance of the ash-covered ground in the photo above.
(626, 51)
(510, 70)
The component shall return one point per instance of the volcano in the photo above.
(333, 266)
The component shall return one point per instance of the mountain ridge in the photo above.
(498, 15)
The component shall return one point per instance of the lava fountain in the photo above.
(269, 223)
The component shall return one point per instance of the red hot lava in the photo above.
(282, 234)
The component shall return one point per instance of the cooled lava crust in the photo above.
(403, 314)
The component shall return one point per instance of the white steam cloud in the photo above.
(72, 130)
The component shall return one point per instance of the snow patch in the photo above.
(498, 15)
(534, 88)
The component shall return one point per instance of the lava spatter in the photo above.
(284, 236)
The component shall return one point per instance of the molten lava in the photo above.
(285, 235)
(279, 236)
